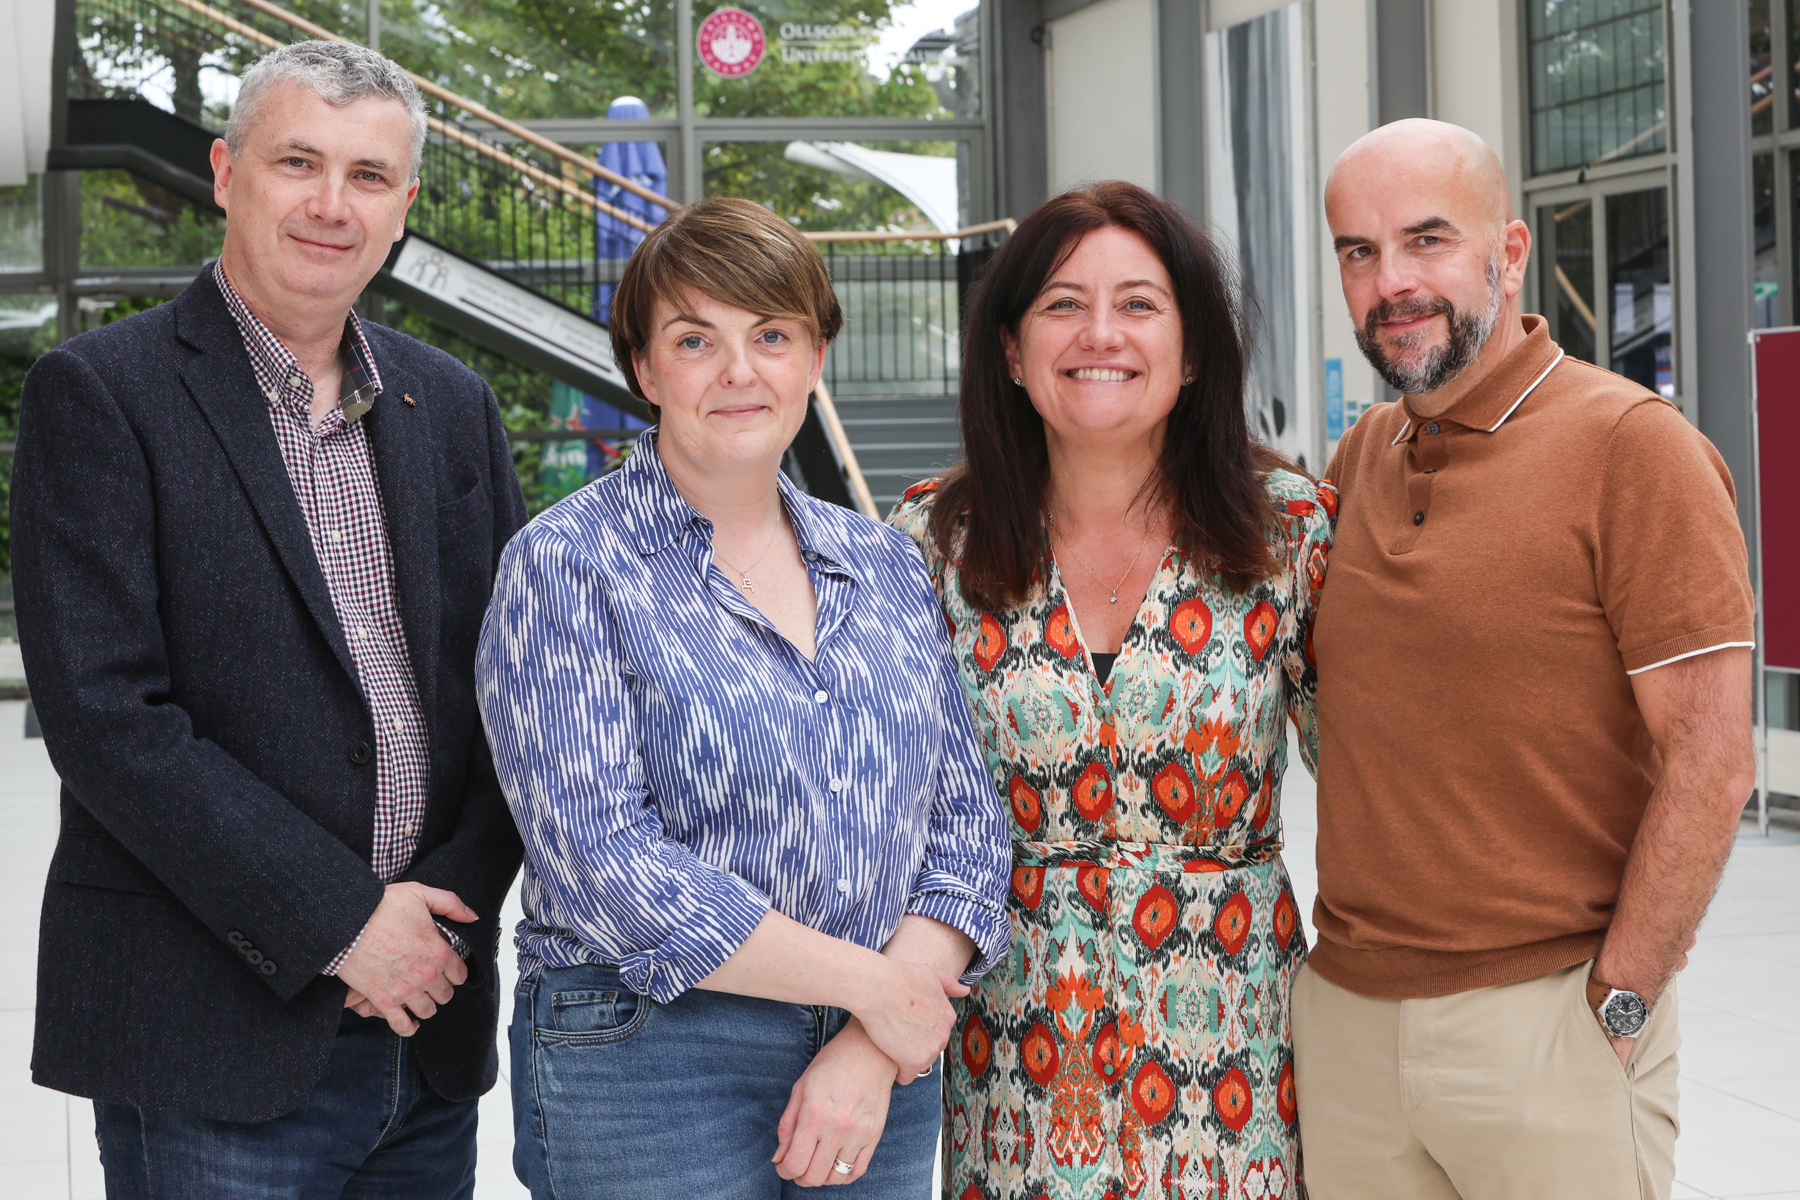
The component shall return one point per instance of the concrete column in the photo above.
(1717, 160)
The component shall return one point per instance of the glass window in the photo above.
(802, 58)
(1762, 70)
(570, 58)
(22, 227)
(1637, 269)
(127, 221)
(1597, 82)
(1566, 258)
(830, 185)
(1766, 275)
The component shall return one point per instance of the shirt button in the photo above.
(357, 632)
(1431, 428)
(294, 379)
(1418, 518)
(335, 537)
(821, 696)
(412, 827)
(399, 724)
(837, 785)
(844, 887)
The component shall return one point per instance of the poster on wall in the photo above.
(1257, 155)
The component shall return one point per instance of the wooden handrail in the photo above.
(834, 429)
(923, 235)
(442, 93)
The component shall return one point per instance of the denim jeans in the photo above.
(371, 1127)
(616, 1097)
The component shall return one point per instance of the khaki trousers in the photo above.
(1504, 1093)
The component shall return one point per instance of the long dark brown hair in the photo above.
(1210, 471)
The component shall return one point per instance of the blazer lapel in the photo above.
(223, 385)
(400, 438)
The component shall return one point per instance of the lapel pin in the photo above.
(407, 396)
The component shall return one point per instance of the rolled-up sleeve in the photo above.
(968, 846)
(565, 738)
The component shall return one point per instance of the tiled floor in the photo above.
(1740, 1015)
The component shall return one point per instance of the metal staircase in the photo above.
(502, 244)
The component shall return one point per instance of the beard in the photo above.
(1469, 332)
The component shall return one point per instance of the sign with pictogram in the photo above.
(731, 43)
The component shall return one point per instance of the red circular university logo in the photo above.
(731, 43)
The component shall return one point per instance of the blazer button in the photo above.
(267, 968)
(360, 753)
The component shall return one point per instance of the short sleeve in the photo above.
(1670, 563)
(912, 516)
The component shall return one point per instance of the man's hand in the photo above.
(1621, 1047)
(838, 1109)
(402, 968)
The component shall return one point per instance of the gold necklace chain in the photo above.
(1113, 592)
(744, 572)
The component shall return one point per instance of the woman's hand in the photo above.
(837, 1111)
(908, 1014)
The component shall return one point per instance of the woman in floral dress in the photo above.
(1129, 582)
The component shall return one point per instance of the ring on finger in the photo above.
(841, 1167)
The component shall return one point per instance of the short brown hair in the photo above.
(728, 250)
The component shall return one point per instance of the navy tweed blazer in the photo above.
(197, 698)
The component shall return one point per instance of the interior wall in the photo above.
(1468, 68)
(1343, 104)
(1100, 80)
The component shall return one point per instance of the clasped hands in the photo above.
(839, 1104)
(403, 967)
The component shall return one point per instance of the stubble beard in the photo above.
(1469, 332)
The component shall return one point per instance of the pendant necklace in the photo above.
(1113, 592)
(744, 572)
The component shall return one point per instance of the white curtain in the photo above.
(25, 43)
(1258, 196)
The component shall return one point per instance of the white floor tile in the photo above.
(1730, 1147)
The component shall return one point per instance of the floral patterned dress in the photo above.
(1137, 1044)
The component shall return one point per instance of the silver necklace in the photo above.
(744, 572)
(1113, 592)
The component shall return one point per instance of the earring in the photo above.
(1017, 382)
(1187, 381)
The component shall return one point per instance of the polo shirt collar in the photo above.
(1497, 397)
(659, 514)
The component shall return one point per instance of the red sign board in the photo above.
(731, 43)
(1777, 466)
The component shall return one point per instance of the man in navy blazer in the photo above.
(253, 541)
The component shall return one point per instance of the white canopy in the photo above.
(25, 47)
(927, 180)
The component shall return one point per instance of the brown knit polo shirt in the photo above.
(1497, 575)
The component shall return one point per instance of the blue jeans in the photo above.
(371, 1127)
(617, 1097)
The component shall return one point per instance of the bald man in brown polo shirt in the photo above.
(1534, 709)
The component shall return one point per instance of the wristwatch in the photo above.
(1622, 1014)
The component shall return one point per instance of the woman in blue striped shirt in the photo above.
(762, 847)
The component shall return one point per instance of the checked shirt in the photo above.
(333, 475)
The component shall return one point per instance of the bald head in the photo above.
(1435, 156)
(1431, 257)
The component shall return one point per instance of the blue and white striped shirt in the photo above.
(677, 767)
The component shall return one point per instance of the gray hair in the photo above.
(339, 73)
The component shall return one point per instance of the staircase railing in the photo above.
(514, 208)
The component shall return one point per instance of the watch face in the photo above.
(1624, 1014)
